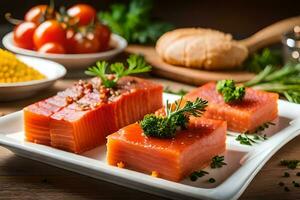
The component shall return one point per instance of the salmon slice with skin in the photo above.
(84, 124)
(37, 116)
(256, 108)
(172, 159)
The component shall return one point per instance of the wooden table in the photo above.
(22, 178)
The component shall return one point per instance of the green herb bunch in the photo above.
(166, 126)
(134, 22)
(285, 81)
(136, 64)
(229, 91)
(258, 61)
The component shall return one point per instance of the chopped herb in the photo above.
(176, 118)
(296, 184)
(291, 164)
(250, 138)
(211, 180)
(197, 174)
(217, 162)
(230, 92)
(281, 184)
(286, 174)
(180, 92)
(136, 64)
(258, 61)
(298, 174)
(245, 139)
(286, 189)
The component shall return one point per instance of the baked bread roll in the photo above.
(201, 48)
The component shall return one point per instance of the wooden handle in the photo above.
(270, 35)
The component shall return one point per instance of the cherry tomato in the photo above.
(35, 14)
(83, 12)
(52, 47)
(49, 31)
(23, 35)
(79, 43)
(103, 33)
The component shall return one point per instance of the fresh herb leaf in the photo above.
(286, 174)
(249, 138)
(211, 180)
(166, 126)
(230, 91)
(284, 81)
(197, 174)
(136, 64)
(134, 22)
(180, 92)
(291, 164)
(217, 162)
(258, 61)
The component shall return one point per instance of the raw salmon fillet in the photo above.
(256, 108)
(83, 123)
(37, 115)
(172, 159)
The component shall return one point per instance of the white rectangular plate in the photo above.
(243, 162)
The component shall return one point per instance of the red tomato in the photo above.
(52, 47)
(23, 35)
(83, 12)
(103, 33)
(78, 43)
(35, 14)
(49, 31)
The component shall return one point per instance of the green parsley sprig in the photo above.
(230, 92)
(180, 92)
(136, 64)
(166, 126)
(217, 162)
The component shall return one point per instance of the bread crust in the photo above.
(201, 48)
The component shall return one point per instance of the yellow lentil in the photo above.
(154, 174)
(120, 164)
(13, 70)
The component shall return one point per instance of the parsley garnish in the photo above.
(291, 164)
(166, 126)
(230, 91)
(217, 162)
(197, 174)
(134, 22)
(136, 64)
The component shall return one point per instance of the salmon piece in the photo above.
(37, 116)
(172, 159)
(256, 108)
(84, 124)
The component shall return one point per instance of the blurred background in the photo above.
(240, 18)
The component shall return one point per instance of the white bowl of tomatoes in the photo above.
(74, 37)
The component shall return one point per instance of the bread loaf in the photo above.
(200, 48)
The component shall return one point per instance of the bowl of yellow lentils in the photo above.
(22, 76)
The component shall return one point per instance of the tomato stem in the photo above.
(12, 20)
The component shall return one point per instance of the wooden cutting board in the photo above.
(267, 36)
(182, 74)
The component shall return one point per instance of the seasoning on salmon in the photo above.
(256, 107)
(79, 122)
(172, 158)
(85, 123)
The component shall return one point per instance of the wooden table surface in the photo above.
(22, 178)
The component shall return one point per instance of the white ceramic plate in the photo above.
(52, 70)
(70, 61)
(243, 162)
